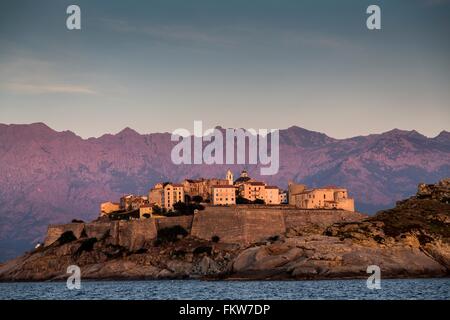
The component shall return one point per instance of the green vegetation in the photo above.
(86, 245)
(203, 249)
(125, 215)
(184, 209)
(66, 237)
(171, 234)
(241, 200)
(197, 199)
(427, 217)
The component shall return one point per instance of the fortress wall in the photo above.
(304, 219)
(133, 235)
(248, 224)
(226, 223)
(183, 221)
(262, 224)
(234, 225)
(97, 229)
(243, 224)
(54, 231)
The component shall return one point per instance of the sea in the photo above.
(391, 289)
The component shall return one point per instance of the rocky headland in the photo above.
(251, 242)
(48, 176)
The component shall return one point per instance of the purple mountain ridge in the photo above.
(53, 177)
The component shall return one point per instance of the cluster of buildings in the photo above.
(226, 192)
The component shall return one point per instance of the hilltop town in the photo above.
(251, 241)
(194, 194)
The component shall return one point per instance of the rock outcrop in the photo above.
(410, 240)
(59, 176)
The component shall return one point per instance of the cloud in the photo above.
(29, 88)
(233, 36)
(436, 2)
(32, 76)
(171, 33)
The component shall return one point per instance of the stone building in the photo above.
(229, 177)
(243, 178)
(146, 209)
(165, 195)
(252, 190)
(283, 197)
(272, 195)
(223, 195)
(324, 198)
(195, 187)
(294, 189)
(202, 187)
(132, 202)
(109, 207)
(155, 194)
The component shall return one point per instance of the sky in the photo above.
(156, 66)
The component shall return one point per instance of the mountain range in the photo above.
(53, 177)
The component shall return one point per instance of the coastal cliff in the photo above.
(410, 240)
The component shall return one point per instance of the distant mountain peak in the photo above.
(49, 176)
(127, 132)
(443, 134)
(299, 136)
(404, 133)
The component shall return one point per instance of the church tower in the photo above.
(230, 177)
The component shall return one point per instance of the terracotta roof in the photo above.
(223, 186)
(323, 188)
(194, 180)
(257, 183)
(331, 187)
(242, 179)
(177, 185)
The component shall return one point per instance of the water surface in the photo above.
(434, 289)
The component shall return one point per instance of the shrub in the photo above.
(378, 239)
(242, 200)
(77, 221)
(83, 234)
(185, 209)
(197, 199)
(203, 249)
(171, 234)
(141, 251)
(179, 253)
(259, 201)
(66, 237)
(86, 245)
(215, 239)
(157, 209)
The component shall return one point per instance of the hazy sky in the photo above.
(159, 65)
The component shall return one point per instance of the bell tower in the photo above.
(230, 177)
